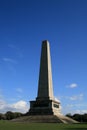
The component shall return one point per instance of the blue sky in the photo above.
(24, 24)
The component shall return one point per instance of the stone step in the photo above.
(45, 119)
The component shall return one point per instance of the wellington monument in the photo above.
(45, 103)
(45, 108)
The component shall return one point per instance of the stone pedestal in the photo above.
(44, 107)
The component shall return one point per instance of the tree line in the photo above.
(78, 117)
(12, 115)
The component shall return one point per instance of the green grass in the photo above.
(7, 125)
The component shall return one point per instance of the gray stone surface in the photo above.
(45, 86)
(45, 103)
(45, 119)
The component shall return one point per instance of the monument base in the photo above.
(44, 107)
(45, 119)
(44, 111)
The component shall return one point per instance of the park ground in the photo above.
(8, 125)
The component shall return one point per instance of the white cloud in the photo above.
(69, 105)
(20, 106)
(73, 85)
(10, 64)
(73, 111)
(75, 108)
(9, 60)
(77, 97)
(81, 105)
(15, 106)
(78, 111)
(2, 104)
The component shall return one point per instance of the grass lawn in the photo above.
(7, 125)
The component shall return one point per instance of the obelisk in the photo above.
(45, 103)
(45, 108)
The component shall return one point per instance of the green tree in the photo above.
(9, 115)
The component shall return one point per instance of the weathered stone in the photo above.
(45, 108)
(45, 103)
(45, 86)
